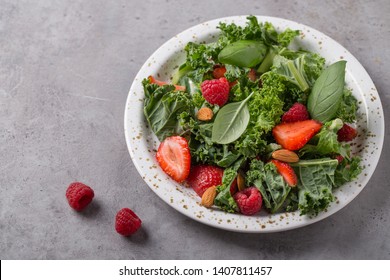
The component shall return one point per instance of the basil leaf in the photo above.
(325, 98)
(243, 53)
(231, 121)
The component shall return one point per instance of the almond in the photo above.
(240, 182)
(205, 114)
(209, 196)
(285, 155)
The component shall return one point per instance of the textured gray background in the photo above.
(65, 71)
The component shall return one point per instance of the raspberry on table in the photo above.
(216, 92)
(127, 222)
(297, 112)
(249, 201)
(79, 195)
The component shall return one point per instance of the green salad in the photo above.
(273, 119)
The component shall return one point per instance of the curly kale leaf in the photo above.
(347, 170)
(270, 183)
(162, 108)
(348, 107)
(316, 179)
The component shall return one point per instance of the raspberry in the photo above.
(127, 222)
(297, 112)
(346, 133)
(79, 195)
(216, 92)
(249, 201)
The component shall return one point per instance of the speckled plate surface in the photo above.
(142, 143)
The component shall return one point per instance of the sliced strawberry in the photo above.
(203, 177)
(174, 157)
(160, 83)
(293, 136)
(286, 171)
(234, 187)
(346, 133)
(219, 72)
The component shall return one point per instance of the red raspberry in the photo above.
(127, 222)
(346, 133)
(296, 113)
(249, 201)
(216, 92)
(79, 195)
(339, 158)
(203, 177)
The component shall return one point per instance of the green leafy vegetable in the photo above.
(224, 198)
(292, 70)
(348, 107)
(230, 122)
(325, 142)
(316, 178)
(270, 183)
(162, 108)
(325, 98)
(347, 170)
(244, 53)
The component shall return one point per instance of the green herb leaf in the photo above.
(230, 122)
(243, 53)
(324, 100)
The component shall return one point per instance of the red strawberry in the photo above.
(79, 195)
(234, 187)
(346, 133)
(160, 83)
(174, 157)
(249, 201)
(203, 177)
(219, 72)
(293, 136)
(127, 222)
(297, 112)
(216, 91)
(286, 171)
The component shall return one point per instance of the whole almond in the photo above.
(209, 196)
(285, 155)
(240, 182)
(205, 114)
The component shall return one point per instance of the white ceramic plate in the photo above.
(143, 144)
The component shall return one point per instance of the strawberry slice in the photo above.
(293, 136)
(160, 83)
(203, 177)
(286, 171)
(174, 157)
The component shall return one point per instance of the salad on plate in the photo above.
(252, 124)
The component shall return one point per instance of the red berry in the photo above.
(203, 177)
(127, 222)
(346, 133)
(249, 201)
(340, 158)
(79, 195)
(174, 157)
(296, 113)
(286, 171)
(219, 72)
(252, 75)
(293, 136)
(216, 92)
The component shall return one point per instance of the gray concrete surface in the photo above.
(65, 71)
